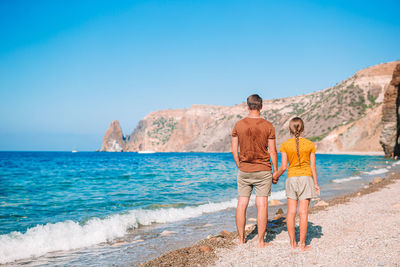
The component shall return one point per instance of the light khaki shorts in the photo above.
(300, 187)
(261, 181)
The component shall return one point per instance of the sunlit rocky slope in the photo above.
(340, 119)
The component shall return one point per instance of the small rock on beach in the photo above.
(224, 233)
(205, 248)
(321, 203)
(274, 202)
(377, 180)
(166, 233)
(117, 244)
(278, 216)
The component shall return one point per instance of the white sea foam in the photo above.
(396, 163)
(278, 195)
(68, 235)
(343, 180)
(377, 171)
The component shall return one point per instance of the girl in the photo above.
(301, 184)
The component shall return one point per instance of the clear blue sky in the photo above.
(68, 68)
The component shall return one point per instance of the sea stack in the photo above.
(390, 116)
(113, 140)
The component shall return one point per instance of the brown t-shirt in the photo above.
(253, 134)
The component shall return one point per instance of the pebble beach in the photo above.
(358, 229)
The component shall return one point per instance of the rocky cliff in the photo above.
(342, 118)
(113, 140)
(390, 116)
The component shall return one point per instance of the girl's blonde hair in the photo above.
(296, 127)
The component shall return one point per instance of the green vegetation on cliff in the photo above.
(162, 129)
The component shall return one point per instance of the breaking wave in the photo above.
(68, 235)
(343, 180)
(377, 171)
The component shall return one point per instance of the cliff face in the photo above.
(199, 128)
(358, 136)
(342, 118)
(390, 116)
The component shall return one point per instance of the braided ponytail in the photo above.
(296, 127)
(297, 135)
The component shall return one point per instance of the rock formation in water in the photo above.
(390, 116)
(342, 118)
(113, 140)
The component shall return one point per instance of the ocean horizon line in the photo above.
(352, 153)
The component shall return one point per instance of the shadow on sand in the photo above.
(275, 227)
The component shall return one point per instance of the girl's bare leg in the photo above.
(303, 212)
(291, 214)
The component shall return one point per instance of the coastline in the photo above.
(356, 153)
(165, 226)
(209, 251)
(353, 153)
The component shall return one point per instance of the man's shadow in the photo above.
(275, 227)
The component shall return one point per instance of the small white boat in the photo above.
(74, 151)
(146, 152)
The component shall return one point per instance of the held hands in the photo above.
(275, 178)
(317, 190)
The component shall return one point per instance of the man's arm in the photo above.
(235, 150)
(273, 154)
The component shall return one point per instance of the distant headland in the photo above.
(358, 115)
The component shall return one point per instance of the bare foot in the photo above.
(294, 246)
(263, 245)
(304, 247)
(241, 241)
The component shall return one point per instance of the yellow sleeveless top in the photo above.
(306, 147)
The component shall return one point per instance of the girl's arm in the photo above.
(314, 172)
(281, 169)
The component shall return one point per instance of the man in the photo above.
(256, 139)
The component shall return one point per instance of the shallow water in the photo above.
(92, 208)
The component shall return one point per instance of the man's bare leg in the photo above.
(291, 214)
(241, 217)
(303, 212)
(262, 220)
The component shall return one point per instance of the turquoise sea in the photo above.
(91, 208)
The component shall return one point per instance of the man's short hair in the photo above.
(254, 102)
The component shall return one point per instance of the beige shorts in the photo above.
(261, 181)
(300, 187)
